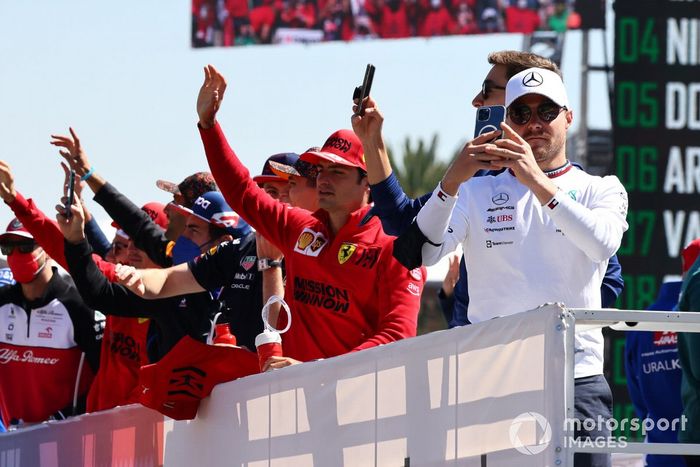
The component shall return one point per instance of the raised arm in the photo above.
(442, 228)
(44, 230)
(93, 286)
(368, 128)
(395, 209)
(597, 228)
(145, 233)
(274, 220)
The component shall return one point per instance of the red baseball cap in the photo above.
(16, 228)
(156, 211)
(342, 147)
(690, 254)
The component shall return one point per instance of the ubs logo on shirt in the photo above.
(310, 243)
(499, 218)
(46, 333)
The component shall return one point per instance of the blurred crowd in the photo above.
(244, 22)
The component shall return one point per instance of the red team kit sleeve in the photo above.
(272, 219)
(47, 234)
(398, 293)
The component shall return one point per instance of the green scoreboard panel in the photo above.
(656, 118)
(656, 141)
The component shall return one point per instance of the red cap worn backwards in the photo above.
(342, 147)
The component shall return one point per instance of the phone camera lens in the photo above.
(484, 114)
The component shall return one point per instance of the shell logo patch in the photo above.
(304, 240)
(310, 243)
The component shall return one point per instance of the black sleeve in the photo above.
(146, 234)
(217, 267)
(87, 325)
(97, 291)
(408, 246)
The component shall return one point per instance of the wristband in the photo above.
(87, 175)
(554, 202)
(265, 263)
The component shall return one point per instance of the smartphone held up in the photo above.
(489, 118)
(361, 92)
(70, 194)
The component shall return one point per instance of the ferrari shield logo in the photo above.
(345, 252)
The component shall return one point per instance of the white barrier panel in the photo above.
(447, 398)
(463, 397)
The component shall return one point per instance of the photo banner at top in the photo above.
(226, 23)
(656, 120)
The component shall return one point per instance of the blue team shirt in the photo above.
(654, 376)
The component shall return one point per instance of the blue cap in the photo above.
(268, 175)
(213, 208)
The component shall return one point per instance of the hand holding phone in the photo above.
(489, 118)
(363, 91)
(70, 196)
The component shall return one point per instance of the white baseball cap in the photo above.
(537, 81)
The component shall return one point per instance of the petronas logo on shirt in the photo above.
(345, 252)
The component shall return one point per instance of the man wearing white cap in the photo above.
(541, 231)
(50, 344)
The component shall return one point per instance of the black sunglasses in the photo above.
(547, 112)
(487, 87)
(24, 247)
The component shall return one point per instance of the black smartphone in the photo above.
(71, 193)
(363, 91)
(489, 118)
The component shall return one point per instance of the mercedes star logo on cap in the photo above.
(532, 79)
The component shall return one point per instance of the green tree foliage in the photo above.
(420, 169)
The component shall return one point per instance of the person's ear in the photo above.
(569, 118)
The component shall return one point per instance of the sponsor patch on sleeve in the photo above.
(310, 243)
(413, 289)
